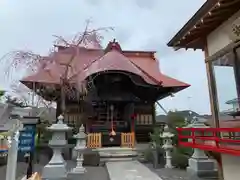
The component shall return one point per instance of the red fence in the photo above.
(223, 140)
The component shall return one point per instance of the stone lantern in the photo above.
(80, 147)
(167, 146)
(199, 163)
(56, 168)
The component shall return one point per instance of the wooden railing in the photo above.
(128, 139)
(222, 140)
(94, 140)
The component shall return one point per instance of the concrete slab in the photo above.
(130, 170)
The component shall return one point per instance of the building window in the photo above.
(226, 76)
(72, 119)
(144, 119)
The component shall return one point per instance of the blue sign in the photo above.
(27, 138)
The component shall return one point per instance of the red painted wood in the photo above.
(197, 138)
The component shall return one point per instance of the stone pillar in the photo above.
(167, 146)
(56, 168)
(12, 156)
(13, 141)
(200, 164)
(79, 170)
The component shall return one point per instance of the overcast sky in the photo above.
(138, 24)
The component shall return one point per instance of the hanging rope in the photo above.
(113, 133)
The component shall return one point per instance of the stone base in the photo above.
(76, 176)
(113, 154)
(202, 168)
(168, 167)
(79, 170)
(52, 172)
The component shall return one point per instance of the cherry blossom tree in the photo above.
(32, 62)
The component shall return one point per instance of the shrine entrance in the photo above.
(110, 120)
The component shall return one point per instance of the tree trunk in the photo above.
(63, 98)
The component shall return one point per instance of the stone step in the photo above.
(118, 155)
(117, 149)
(114, 150)
(116, 159)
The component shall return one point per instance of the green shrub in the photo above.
(155, 138)
(71, 141)
(185, 150)
(148, 157)
(179, 160)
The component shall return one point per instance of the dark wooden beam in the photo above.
(196, 17)
(228, 3)
(222, 52)
(211, 22)
(212, 90)
(195, 44)
(219, 14)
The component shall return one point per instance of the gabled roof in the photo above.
(211, 15)
(115, 60)
(91, 61)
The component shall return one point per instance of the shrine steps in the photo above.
(113, 154)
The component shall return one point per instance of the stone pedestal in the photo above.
(56, 168)
(202, 167)
(199, 164)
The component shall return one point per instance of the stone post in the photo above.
(12, 156)
(13, 141)
(167, 146)
(200, 164)
(56, 168)
(79, 170)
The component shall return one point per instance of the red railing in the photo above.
(223, 140)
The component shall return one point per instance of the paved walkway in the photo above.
(173, 174)
(122, 170)
(130, 170)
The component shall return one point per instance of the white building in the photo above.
(215, 29)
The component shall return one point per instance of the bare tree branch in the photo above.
(31, 62)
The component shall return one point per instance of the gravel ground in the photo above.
(93, 173)
(100, 173)
(173, 174)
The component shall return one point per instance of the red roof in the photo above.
(91, 61)
(114, 60)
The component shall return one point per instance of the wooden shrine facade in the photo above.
(130, 121)
(122, 88)
(114, 104)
